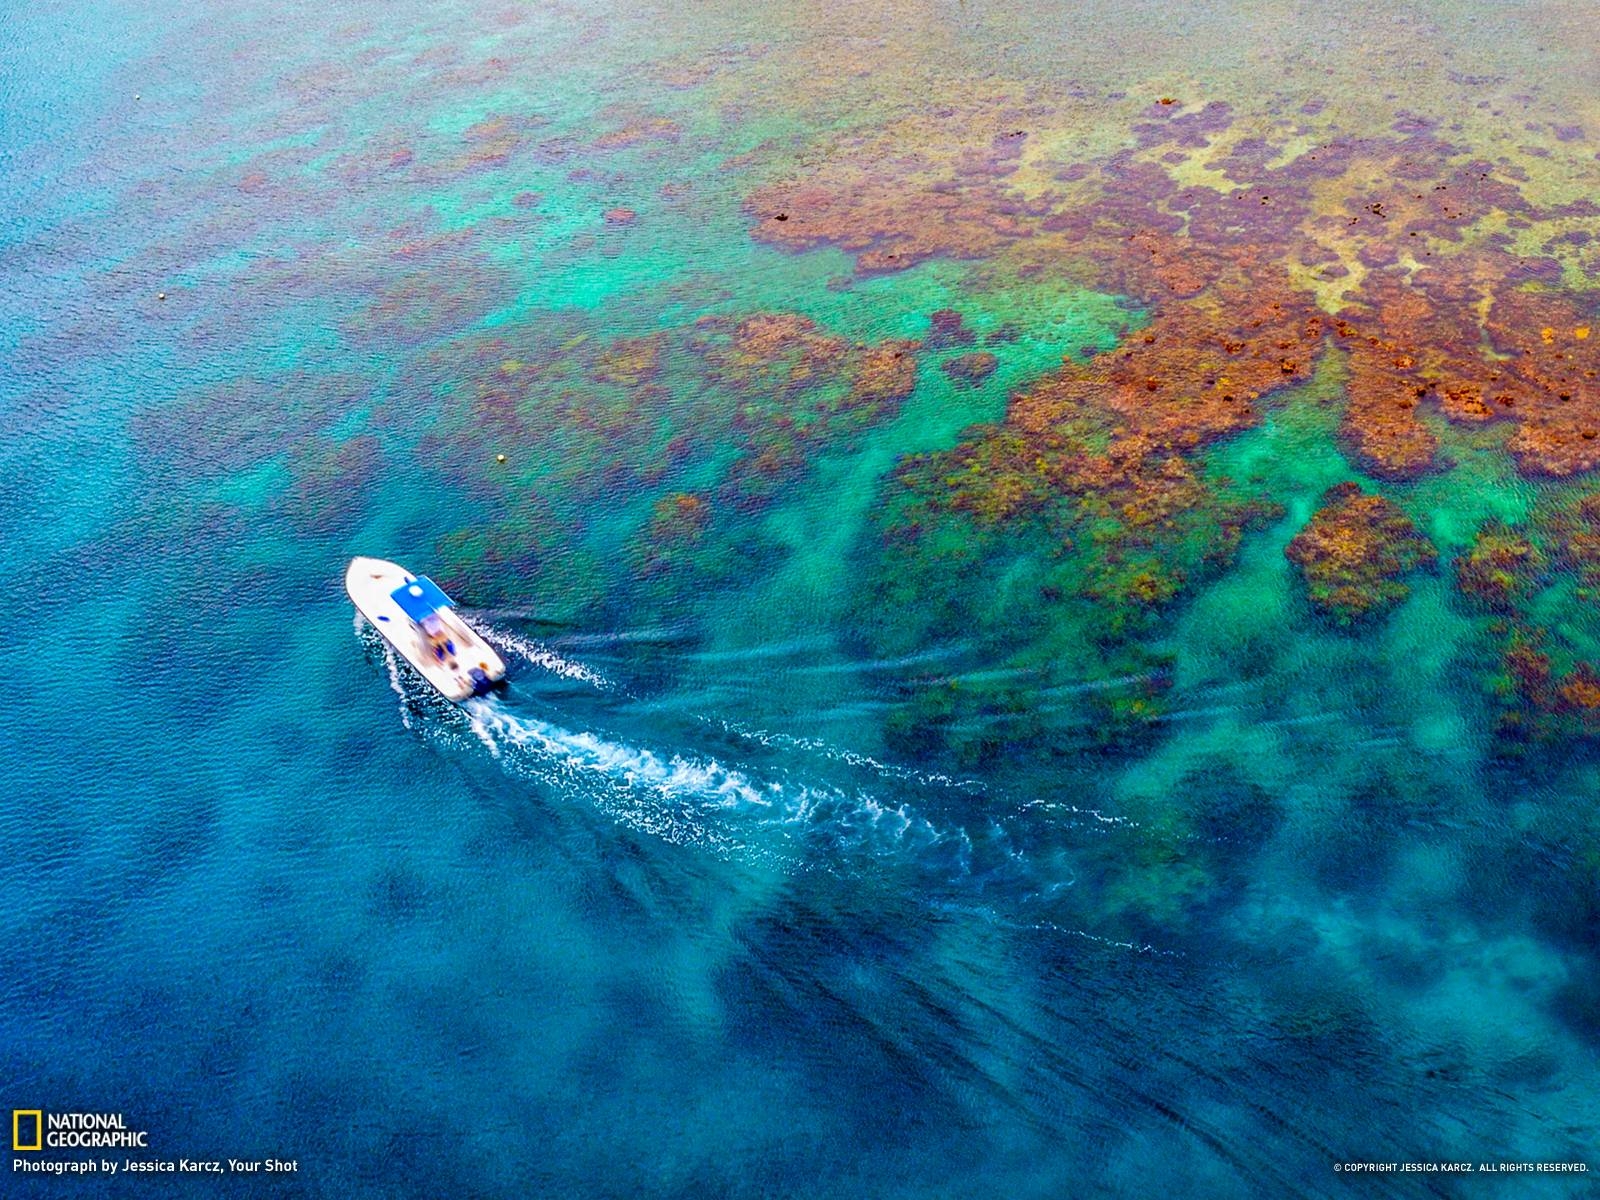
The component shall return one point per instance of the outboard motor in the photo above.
(482, 685)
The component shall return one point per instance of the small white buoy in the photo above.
(161, 295)
(136, 95)
(499, 458)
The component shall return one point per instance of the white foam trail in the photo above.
(907, 774)
(391, 662)
(482, 732)
(635, 767)
(677, 799)
(1099, 940)
(690, 798)
(696, 800)
(543, 656)
(767, 737)
(706, 785)
(1093, 813)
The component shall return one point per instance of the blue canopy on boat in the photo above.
(420, 597)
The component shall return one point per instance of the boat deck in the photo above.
(371, 583)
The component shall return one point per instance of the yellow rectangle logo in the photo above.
(17, 1116)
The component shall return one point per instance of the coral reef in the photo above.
(946, 328)
(1404, 239)
(427, 304)
(1542, 704)
(683, 435)
(1546, 682)
(1500, 568)
(1355, 554)
(1573, 533)
(1092, 510)
(242, 422)
(971, 369)
(331, 482)
(677, 526)
(963, 213)
(1553, 363)
(1402, 254)
(1439, 282)
(636, 128)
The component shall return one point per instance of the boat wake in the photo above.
(786, 741)
(539, 655)
(690, 798)
(680, 797)
(767, 813)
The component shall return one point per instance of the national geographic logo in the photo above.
(32, 1129)
(27, 1119)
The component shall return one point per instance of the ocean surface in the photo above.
(959, 741)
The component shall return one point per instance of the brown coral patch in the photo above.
(1554, 374)
(331, 482)
(778, 351)
(1573, 535)
(1443, 315)
(1500, 568)
(1541, 703)
(893, 203)
(947, 327)
(636, 129)
(427, 304)
(1380, 426)
(677, 523)
(1196, 372)
(883, 376)
(1419, 339)
(717, 418)
(971, 369)
(629, 362)
(774, 355)
(1355, 553)
(1113, 436)
(490, 143)
(1101, 450)
(241, 422)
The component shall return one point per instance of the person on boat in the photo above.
(438, 637)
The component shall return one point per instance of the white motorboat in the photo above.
(413, 615)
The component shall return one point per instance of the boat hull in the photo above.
(371, 582)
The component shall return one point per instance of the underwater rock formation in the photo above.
(1500, 568)
(947, 327)
(1355, 553)
(684, 436)
(1573, 534)
(239, 423)
(971, 369)
(1540, 703)
(1402, 238)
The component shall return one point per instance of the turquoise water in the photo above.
(783, 867)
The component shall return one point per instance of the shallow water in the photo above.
(823, 844)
